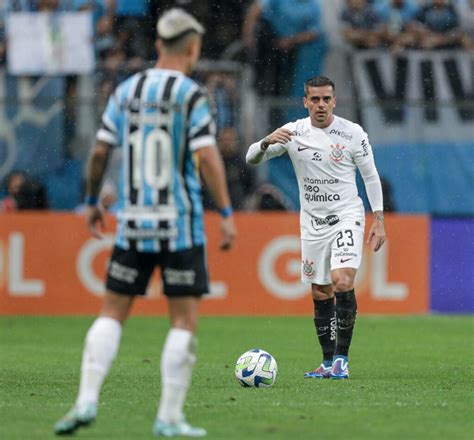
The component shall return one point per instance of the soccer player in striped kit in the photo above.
(326, 150)
(161, 120)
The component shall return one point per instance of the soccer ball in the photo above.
(256, 368)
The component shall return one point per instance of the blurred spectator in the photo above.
(114, 70)
(15, 180)
(240, 179)
(222, 87)
(103, 20)
(47, 5)
(396, 16)
(286, 41)
(268, 198)
(260, 40)
(225, 20)
(132, 29)
(465, 11)
(23, 193)
(437, 26)
(362, 25)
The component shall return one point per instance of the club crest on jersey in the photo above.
(337, 153)
(308, 269)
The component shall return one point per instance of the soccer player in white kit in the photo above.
(325, 151)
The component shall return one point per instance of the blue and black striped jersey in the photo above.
(159, 118)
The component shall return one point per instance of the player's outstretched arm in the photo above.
(213, 173)
(98, 161)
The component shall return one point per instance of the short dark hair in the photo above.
(318, 81)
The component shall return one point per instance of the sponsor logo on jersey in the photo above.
(122, 273)
(307, 268)
(302, 148)
(300, 133)
(317, 157)
(150, 234)
(345, 254)
(312, 191)
(344, 260)
(342, 134)
(177, 277)
(365, 148)
(330, 220)
(337, 152)
(135, 105)
(322, 197)
(320, 181)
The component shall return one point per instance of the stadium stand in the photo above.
(49, 114)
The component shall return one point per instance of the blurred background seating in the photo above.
(403, 69)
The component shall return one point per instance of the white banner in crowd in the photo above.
(44, 43)
(417, 97)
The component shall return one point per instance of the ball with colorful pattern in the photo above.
(256, 368)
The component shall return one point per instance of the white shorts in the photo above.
(343, 248)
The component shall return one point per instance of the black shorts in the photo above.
(184, 273)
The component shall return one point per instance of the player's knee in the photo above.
(343, 283)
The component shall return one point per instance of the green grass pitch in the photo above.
(411, 378)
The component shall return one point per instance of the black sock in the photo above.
(325, 323)
(346, 311)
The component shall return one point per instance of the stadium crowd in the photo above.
(282, 53)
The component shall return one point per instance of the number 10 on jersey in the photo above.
(152, 158)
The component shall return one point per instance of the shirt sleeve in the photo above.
(364, 159)
(202, 129)
(109, 129)
(255, 155)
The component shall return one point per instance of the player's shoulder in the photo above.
(300, 126)
(187, 83)
(347, 130)
(123, 90)
(350, 126)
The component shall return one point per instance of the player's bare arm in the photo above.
(213, 173)
(96, 168)
(377, 232)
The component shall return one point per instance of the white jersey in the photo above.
(325, 162)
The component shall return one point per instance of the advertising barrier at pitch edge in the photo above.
(50, 265)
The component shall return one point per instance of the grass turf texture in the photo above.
(411, 378)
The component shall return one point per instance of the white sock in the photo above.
(177, 362)
(100, 348)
